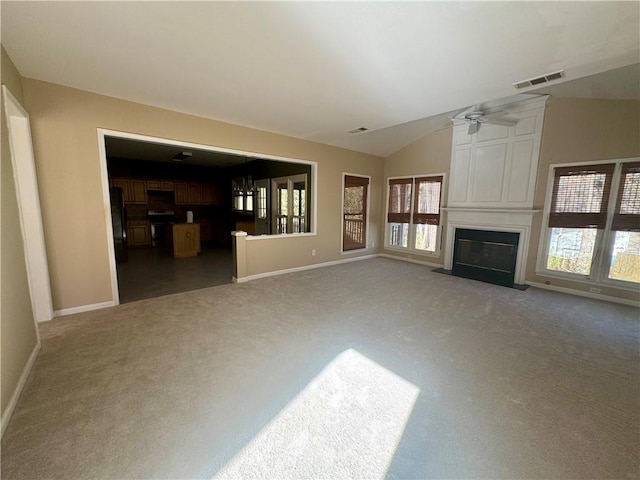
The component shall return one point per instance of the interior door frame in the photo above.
(26, 183)
(102, 133)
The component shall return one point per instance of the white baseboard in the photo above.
(8, 411)
(300, 269)
(580, 293)
(83, 308)
(411, 260)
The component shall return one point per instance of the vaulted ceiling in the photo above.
(317, 70)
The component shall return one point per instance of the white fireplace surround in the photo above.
(497, 220)
(493, 178)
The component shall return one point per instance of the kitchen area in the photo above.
(171, 223)
(173, 210)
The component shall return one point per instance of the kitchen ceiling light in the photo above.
(178, 157)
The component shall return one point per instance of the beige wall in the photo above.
(17, 329)
(64, 124)
(582, 130)
(429, 155)
(575, 130)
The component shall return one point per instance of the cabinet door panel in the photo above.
(138, 191)
(181, 193)
(139, 234)
(125, 185)
(195, 193)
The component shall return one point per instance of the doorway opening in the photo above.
(173, 206)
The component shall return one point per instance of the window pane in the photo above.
(262, 202)
(399, 234)
(400, 198)
(426, 237)
(428, 197)
(580, 193)
(630, 198)
(625, 261)
(353, 217)
(354, 200)
(283, 199)
(571, 250)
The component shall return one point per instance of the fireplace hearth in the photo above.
(484, 255)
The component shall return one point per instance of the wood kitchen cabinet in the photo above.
(193, 193)
(183, 239)
(160, 185)
(138, 233)
(134, 190)
(181, 190)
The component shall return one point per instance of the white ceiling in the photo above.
(315, 70)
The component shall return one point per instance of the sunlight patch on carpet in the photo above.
(347, 422)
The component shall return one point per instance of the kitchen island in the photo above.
(183, 239)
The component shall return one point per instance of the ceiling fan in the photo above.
(474, 117)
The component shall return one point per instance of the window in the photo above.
(354, 212)
(290, 201)
(413, 213)
(593, 227)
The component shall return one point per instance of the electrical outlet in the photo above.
(594, 290)
(313, 252)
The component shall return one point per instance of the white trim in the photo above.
(265, 236)
(103, 132)
(490, 210)
(585, 280)
(106, 206)
(15, 396)
(257, 276)
(83, 308)
(366, 214)
(411, 260)
(28, 199)
(596, 296)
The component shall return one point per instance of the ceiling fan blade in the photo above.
(496, 114)
(473, 128)
(504, 123)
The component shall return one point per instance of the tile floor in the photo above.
(153, 272)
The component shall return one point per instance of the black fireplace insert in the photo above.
(485, 255)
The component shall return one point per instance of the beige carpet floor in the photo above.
(304, 375)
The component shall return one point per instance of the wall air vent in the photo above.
(549, 77)
(358, 130)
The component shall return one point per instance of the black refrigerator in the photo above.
(119, 223)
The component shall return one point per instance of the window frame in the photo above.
(605, 238)
(412, 226)
(367, 209)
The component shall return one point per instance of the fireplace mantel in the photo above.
(490, 210)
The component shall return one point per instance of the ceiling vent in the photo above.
(549, 77)
(178, 157)
(358, 130)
